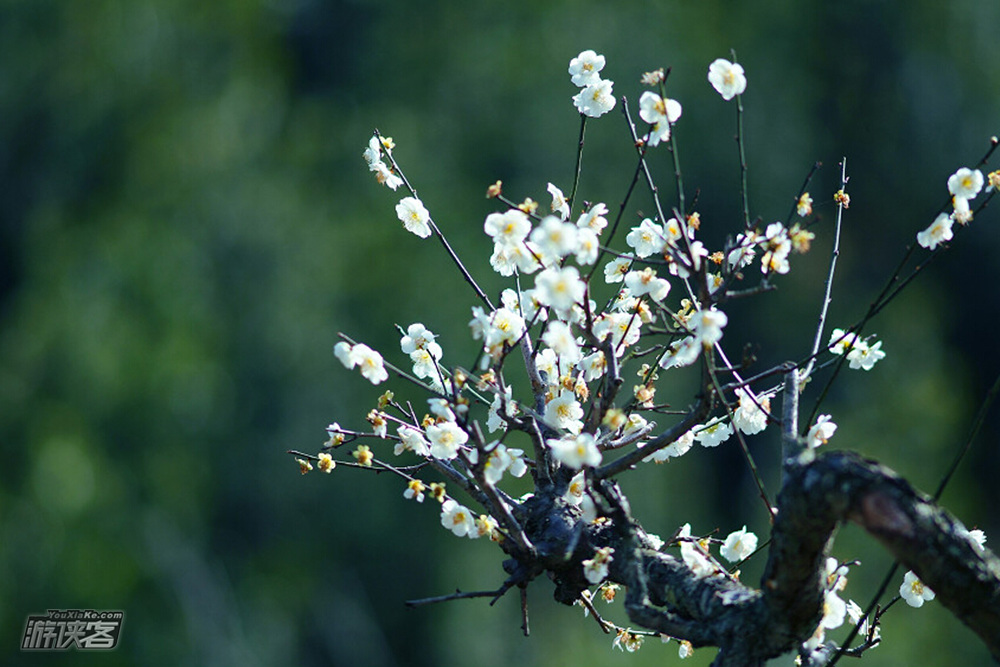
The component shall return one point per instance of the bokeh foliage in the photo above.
(186, 222)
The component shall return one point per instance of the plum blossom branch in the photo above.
(576, 525)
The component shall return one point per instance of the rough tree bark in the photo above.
(750, 625)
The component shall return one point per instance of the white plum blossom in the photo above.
(713, 434)
(624, 329)
(559, 205)
(419, 337)
(596, 568)
(834, 610)
(439, 408)
(564, 412)
(554, 237)
(660, 113)
(500, 460)
(594, 218)
(505, 326)
(865, 356)
(647, 239)
(727, 78)
(744, 252)
(523, 303)
(509, 228)
(373, 153)
(694, 555)
(425, 366)
(859, 353)
(385, 175)
(485, 526)
(777, 246)
(560, 288)
(342, 351)
(965, 183)
(559, 336)
(458, 519)
(585, 69)
(677, 448)
(588, 246)
(820, 432)
(646, 282)
(738, 545)
(575, 491)
(961, 214)
(707, 325)
(841, 341)
(914, 591)
(681, 353)
(594, 365)
(548, 364)
(680, 446)
(855, 613)
(576, 451)
(510, 257)
(446, 439)
(414, 216)
(411, 440)
(596, 99)
(978, 538)
(503, 405)
(937, 233)
(367, 360)
(615, 270)
(749, 417)
(688, 258)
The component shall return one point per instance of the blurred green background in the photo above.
(186, 223)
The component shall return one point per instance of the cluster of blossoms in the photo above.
(835, 610)
(575, 343)
(860, 353)
(595, 97)
(373, 156)
(963, 186)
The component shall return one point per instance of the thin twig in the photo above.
(628, 194)
(589, 604)
(802, 190)
(743, 158)
(437, 232)
(579, 164)
(829, 278)
(743, 446)
(458, 595)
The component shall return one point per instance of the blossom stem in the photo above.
(827, 296)
(743, 162)
(677, 175)
(743, 444)
(645, 167)
(437, 232)
(623, 463)
(579, 164)
(628, 193)
(459, 595)
(802, 190)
